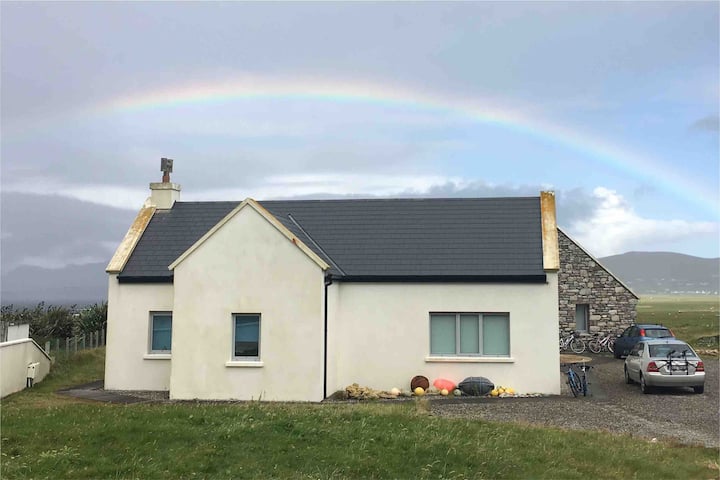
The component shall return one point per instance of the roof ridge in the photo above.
(360, 200)
(411, 199)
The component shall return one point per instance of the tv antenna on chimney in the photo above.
(166, 168)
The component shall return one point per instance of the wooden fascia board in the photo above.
(132, 237)
(550, 248)
(249, 202)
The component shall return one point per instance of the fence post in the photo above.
(47, 347)
(97, 338)
(102, 335)
(57, 344)
(75, 342)
(67, 346)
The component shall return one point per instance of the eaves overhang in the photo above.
(532, 278)
(145, 279)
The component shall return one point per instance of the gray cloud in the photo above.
(711, 123)
(55, 231)
(82, 52)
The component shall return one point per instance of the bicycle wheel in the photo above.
(594, 345)
(610, 345)
(577, 345)
(573, 383)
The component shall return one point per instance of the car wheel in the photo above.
(628, 380)
(699, 389)
(643, 386)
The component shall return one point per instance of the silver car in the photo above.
(664, 363)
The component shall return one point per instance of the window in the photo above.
(582, 315)
(468, 334)
(246, 336)
(160, 332)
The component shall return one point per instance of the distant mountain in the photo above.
(665, 272)
(75, 284)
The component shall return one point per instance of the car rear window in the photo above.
(675, 350)
(657, 332)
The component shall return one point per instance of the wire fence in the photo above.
(69, 345)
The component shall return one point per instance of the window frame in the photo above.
(586, 319)
(457, 353)
(151, 331)
(243, 358)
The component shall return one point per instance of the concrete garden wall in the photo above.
(14, 359)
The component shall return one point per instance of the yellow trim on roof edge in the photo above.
(550, 247)
(267, 216)
(132, 237)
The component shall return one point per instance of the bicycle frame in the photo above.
(578, 383)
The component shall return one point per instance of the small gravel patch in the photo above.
(150, 395)
(671, 414)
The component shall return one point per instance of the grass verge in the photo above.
(48, 436)
(691, 318)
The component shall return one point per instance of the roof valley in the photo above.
(317, 245)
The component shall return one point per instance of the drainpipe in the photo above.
(328, 282)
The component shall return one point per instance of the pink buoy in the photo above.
(444, 384)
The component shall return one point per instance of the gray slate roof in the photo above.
(496, 238)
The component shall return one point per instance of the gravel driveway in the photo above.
(673, 414)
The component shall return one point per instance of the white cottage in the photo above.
(293, 300)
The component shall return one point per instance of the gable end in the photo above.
(250, 203)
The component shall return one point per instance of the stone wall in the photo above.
(583, 281)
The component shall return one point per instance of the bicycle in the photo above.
(583, 380)
(572, 343)
(578, 383)
(597, 344)
(573, 381)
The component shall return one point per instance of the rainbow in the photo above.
(482, 111)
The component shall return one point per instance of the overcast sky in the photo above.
(614, 105)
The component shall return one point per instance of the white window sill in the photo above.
(244, 364)
(470, 359)
(157, 356)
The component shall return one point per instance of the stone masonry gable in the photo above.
(582, 280)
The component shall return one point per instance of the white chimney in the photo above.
(164, 194)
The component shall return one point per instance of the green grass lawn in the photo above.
(45, 435)
(689, 317)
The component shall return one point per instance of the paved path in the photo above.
(94, 391)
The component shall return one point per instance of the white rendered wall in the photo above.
(248, 266)
(128, 364)
(379, 334)
(14, 359)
